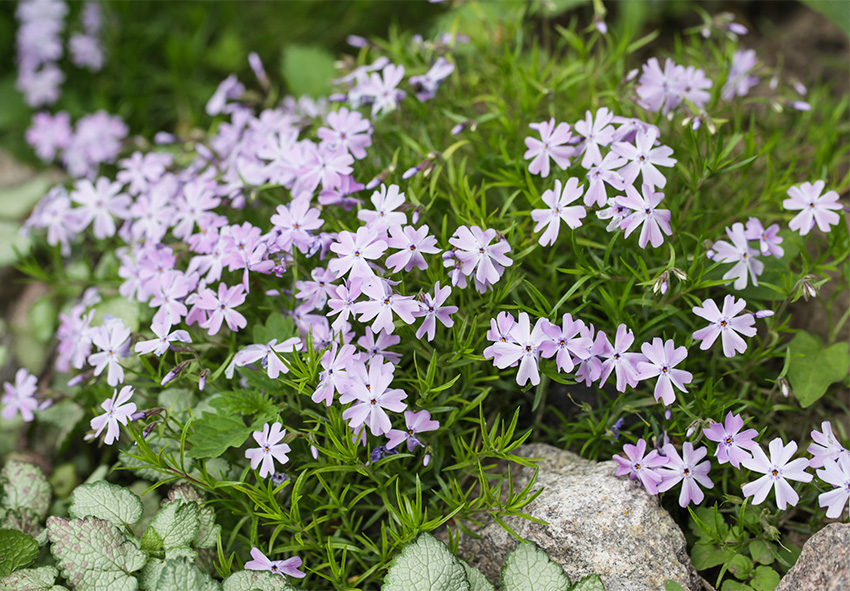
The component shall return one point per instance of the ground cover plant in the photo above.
(329, 317)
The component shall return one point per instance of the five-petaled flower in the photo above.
(688, 470)
(662, 358)
(270, 449)
(726, 324)
(815, 209)
(777, 470)
(732, 443)
(559, 210)
(288, 567)
(117, 410)
(640, 465)
(552, 144)
(20, 397)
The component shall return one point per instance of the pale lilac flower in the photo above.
(596, 132)
(769, 239)
(525, 349)
(776, 470)
(615, 212)
(739, 81)
(604, 174)
(688, 470)
(654, 223)
(295, 224)
(643, 159)
(113, 340)
(20, 397)
(221, 307)
(375, 345)
(694, 85)
(86, 51)
(732, 442)
(141, 171)
(334, 377)
(500, 332)
(288, 567)
(229, 89)
(837, 473)
(348, 129)
(194, 200)
(426, 85)
(825, 447)
(618, 359)
(48, 134)
(354, 250)
(558, 201)
(316, 292)
(726, 324)
(662, 358)
(383, 89)
(412, 243)
(99, 202)
(814, 207)
(660, 90)
(326, 166)
(270, 449)
(562, 342)
(374, 401)
(382, 304)
(640, 465)
(417, 422)
(432, 309)
(589, 363)
(740, 253)
(477, 256)
(163, 340)
(553, 143)
(169, 289)
(267, 355)
(386, 201)
(118, 410)
(629, 128)
(342, 302)
(40, 86)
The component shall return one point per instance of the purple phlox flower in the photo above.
(825, 447)
(380, 452)
(74, 335)
(375, 345)
(221, 307)
(662, 357)
(562, 342)
(325, 166)
(355, 250)
(618, 359)
(688, 470)
(20, 397)
(477, 256)
(99, 202)
(814, 207)
(553, 143)
(340, 195)
(643, 159)
(386, 201)
(164, 337)
(288, 567)
(525, 349)
(229, 89)
(558, 201)
(334, 377)
(640, 465)
(837, 473)
(193, 201)
(342, 301)
(500, 332)
(426, 85)
(375, 399)
(383, 89)
(777, 471)
(417, 422)
(117, 410)
(600, 175)
(726, 324)
(769, 240)
(615, 429)
(270, 449)
(266, 354)
(152, 214)
(42, 86)
(113, 340)
(614, 212)
(54, 212)
(629, 128)
(316, 292)
(660, 90)
(245, 248)
(740, 253)
(732, 443)
(295, 224)
(412, 244)
(740, 81)
(140, 171)
(256, 65)
(348, 129)
(693, 86)
(432, 309)
(170, 288)
(48, 134)
(654, 223)
(97, 139)
(382, 304)
(589, 367)
(596, 132)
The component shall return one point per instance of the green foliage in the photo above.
(307, 70)
(32, 579)
(814, 367)
(112, 503)
(17, 550)
(528, 568)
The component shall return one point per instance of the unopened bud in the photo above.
(170, 376)
(784, 387)
(147, 430)
(667, 414)
(680, 275)
(314, 451)
(764, 313)
(202, 381)
(738, 29)
(410, 172)
(426, 460)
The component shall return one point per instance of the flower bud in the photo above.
(202, 381)
(314, 451)
(170, 376)
(784, 387)
(764, 313)
(426, 460)
(667, 414)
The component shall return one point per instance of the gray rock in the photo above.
(824, 563)
(598, 523)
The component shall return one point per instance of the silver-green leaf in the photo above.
(176, 524)
(32, 579)
(426, 564)
(252, 580)
(181, 575)
(112, 503)
(528, 568)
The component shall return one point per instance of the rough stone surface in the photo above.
(598, 523)
(824, 564)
